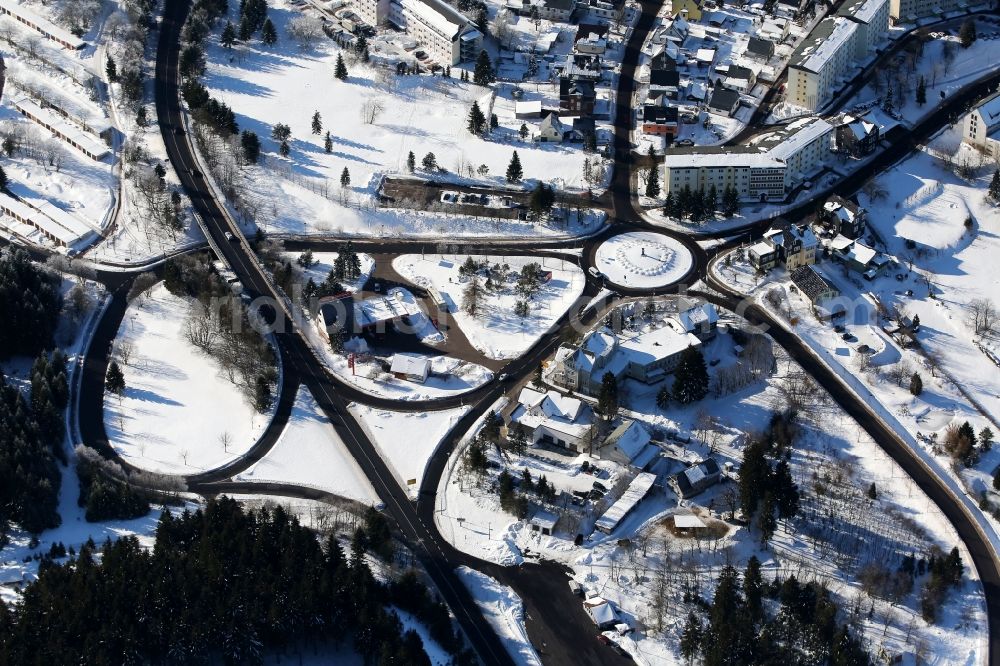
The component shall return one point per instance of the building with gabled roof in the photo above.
(858, 137)
(761, 49)
(981, 126)
(843, 216)
(553, 418)
(813, 285)
(696, 479)
(629, 444)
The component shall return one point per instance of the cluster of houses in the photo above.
(836, 232)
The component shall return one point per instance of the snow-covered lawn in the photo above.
(178, 408)
(643, 259)
(504, 610)
(407, 440)
(940, 75)
(496, 331)
(423, 114)
(310, 453)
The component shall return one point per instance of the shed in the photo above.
(410, 367)
(530, 109)
(544, 522)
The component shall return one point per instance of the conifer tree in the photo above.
(228, 37)
(112, 70)
(607, 399)
(345, 177)
(268, 33)
(514, 171)
(477, 121)
(916, 384)
(115, 380)
(3, 179)
(967, 33)
(328, 143)
(411, 162)
(429, 162)
(653, 183)
(262, 398)
(690, 377)
(340, 71)
(921, 95)
(994, 191)
(317, 123)
(483, 74)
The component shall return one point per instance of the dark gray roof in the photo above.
(762, 47)
(560, 4)
(663, 77)
(724, 99)
(810, 282)
(659, 114)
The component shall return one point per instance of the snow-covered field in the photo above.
(833, 462)
(310, 453)
(942, 77)
(323, 263)
(179, 414)
(642, 259)
(504, 610)
(407, 440)
(423, 114)
(496, 331)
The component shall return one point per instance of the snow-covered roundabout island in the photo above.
(168, 418)
(643, 259)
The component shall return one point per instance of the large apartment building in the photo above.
(447, 36)
(833, 49)
(764, 171)
(908, 11)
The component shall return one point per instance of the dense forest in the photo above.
(221, 585)
(30, 303)
(31, 442)
(751, 621)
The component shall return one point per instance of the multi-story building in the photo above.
(819, 63)
(447, 35)
(791, 246)
(764, 171)
(981, 127)
(872, 17)
(907, 11)
(858, 137)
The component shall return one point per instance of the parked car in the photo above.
(839, 328)
(595, 273)
(596, 494)
(849, 337)
(685, 143)
(600, 486)
(575, 588)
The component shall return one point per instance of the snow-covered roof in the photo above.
(697, 316)
(636, 491)
(862, 11)
(553, 405)
(57, 123)
(705, 55)
(794, 139)
(439, 15)
(657, 344)
(601, 612)
(822, 43)
(41, 24)
(989, 109)
(687, 521)
(410, 364)
(527, 107)
(544, 519)
(53, 221)
(840, 243)
(861, 253)
(760, 248)
(396, 304)
(630, 437)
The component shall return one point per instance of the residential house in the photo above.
(774, 29)
(659, 120)
(551, 129)
(559, 11)
(582, 67)
(760, 49)
(689, 9)
(665, 82)
(813, 286)
(724, 101)
(843, 216)
(677, 29)
(696, 478)
(667, 57)
(791, 246)
(697, 317)
(591, 38)
(857, 137)
(554, 419)
(740, 79)
(790, 9)
(410, 367)
(576, 98)
(981, 126)
(860, 258)
(607, 10)
(582, 127)
(629, 444)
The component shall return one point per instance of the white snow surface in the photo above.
(310, 453)
(407, 440)
(504, 610)
(176, 401)
(643, 259)
(496, 331)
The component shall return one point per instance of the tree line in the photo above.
(219, 585)
(32, 431)
(30, 303)
(701, 204)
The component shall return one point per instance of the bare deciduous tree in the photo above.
(371, 109)
(983, 316)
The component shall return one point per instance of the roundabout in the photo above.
(643, 260)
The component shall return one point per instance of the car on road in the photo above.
(230, 237)
(595, 273)
(194, 173)
(178, 130)
(684, 143)
(503, 376)
(849, 337)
